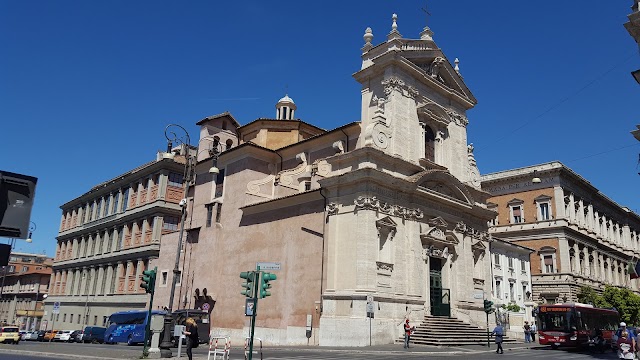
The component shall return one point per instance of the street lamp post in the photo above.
(87, 276)
(189, 168)
(185, 142)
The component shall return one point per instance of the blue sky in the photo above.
(87, 87)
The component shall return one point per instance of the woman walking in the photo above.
(191, 331)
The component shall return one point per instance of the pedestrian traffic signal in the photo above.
(488, 306)
(250, 279)
(149, 280)
(264, 284)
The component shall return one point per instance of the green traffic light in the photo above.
(249, 277)
(148, 281)
(264, 284)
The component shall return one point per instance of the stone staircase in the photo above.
(445, 331)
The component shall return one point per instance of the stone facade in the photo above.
(389, 207)
(511, 284)
(25, 285)
(107, 238)
(580, 236)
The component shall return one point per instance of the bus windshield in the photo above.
(556, 321)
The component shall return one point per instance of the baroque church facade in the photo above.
(389, 208)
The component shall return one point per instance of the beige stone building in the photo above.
(107, 238)
(388, 207)
(580, 236)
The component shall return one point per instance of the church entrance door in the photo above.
(438, 296)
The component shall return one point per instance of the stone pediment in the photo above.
(435, 233)
(438, 222)
(443, 183)
(438, 68)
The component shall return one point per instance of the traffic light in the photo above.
(264, 284)
(149, 280)
(488, 306)
(250, 279)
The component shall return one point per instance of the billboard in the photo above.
(17, 193)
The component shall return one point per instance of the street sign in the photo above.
(370, 308)
(56, 308)
(369, 298)
(268, 266)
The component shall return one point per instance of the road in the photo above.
(36, 351)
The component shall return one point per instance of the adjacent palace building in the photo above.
(580, 236)
(107, 238)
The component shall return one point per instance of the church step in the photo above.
(448, 331)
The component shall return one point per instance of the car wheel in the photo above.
(130, 341)
(554, 347)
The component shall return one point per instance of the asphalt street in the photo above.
(40, 351)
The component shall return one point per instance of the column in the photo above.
(581, 217)
(84, 278)
(70, 280)
(596, 225)
(564, 261)
(572, 209)
(139, 270)
(587, 269)
(626, 236)
(100, 281)
(558, 198)
(52, 282)
(596, 267)
(63, 283)
(590, 219)
(157, 229)
(576, 258)
(162, 186)
(108, 279)
(600, 266)
(93, 281)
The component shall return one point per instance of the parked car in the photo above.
(31, 336)
(93, 334)
(39, 336)
(74, 336)
(9, 334)
(50, 335)
(79, 336)
(24, 335)
(64, 335)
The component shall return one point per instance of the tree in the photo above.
(588, 295)
(622, 299)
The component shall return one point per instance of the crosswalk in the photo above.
(529, 354)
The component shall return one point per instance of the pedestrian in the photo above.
(191, 331)
(527, 332)
(534, 329)
(498, 333)
(408, 329)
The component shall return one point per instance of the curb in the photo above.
(58, 355)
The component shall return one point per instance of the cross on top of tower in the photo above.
(426, 14)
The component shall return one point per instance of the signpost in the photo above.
(370, 311)
(55, 311)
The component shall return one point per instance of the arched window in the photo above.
(429, 143)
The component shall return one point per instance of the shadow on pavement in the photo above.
(607, 354)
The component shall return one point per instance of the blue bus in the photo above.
(128, 326)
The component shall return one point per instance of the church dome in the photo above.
(285, 108)
(286, 99)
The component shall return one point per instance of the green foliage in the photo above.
(511, 307)
(622, 299)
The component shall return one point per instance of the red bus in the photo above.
(572, 325)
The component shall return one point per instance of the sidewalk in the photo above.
(396, 349)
